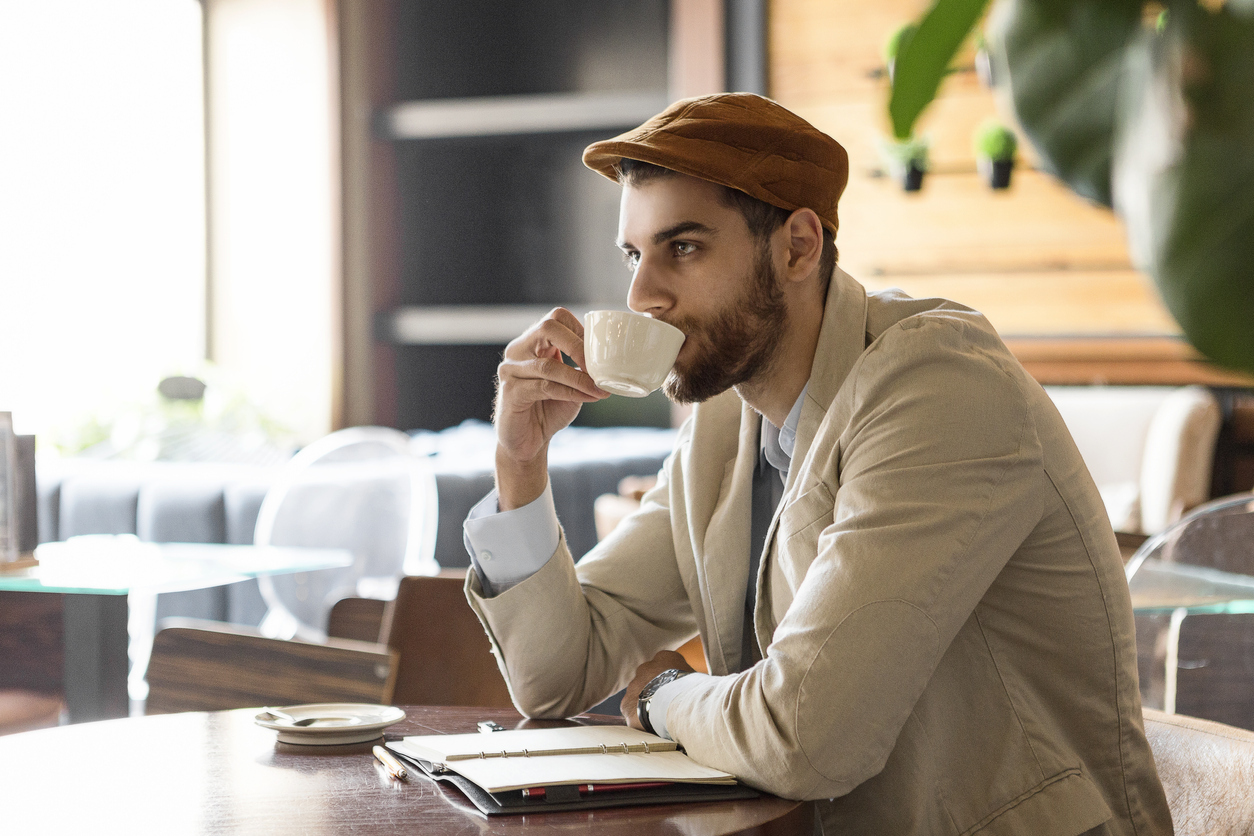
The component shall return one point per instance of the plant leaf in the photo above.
(1064, 59)
(923, 59)
(1201, 207)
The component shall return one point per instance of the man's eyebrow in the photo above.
(682, 228)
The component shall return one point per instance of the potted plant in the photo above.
(906, 160)
(995, 147)
(905, 154)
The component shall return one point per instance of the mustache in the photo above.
(686, 324)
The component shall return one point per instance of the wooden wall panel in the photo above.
(824, 49)
(958, 224)
(1116, 302)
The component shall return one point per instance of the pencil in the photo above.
(394, 767)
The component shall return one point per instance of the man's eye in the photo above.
(631, 259)
(684, 248)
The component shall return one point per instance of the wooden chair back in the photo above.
(208, 666)
(32, 641)
(444, 656)
(1207, 770)
(426, 647)
(32, 647)
(360, 619)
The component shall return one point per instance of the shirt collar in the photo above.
(779, 442)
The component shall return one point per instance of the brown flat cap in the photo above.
(742, 141)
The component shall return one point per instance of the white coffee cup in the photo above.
(629, 353)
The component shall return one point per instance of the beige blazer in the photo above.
(946, 631)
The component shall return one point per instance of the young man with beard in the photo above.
(911, 600)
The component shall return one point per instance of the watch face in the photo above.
(664, 678)
(646, 695)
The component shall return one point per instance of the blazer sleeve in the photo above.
(568, 637)
(904, 515)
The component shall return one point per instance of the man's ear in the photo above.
(804, 233)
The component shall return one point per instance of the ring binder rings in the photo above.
(522, 743)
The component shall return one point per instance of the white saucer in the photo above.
(345, 722)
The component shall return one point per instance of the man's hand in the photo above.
(537, 394)
(663, 661)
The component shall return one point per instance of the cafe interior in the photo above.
(371, 193)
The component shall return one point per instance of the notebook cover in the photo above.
(563, 798)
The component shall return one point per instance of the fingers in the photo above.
(662, 661)
(560, 332)
(537, 393)
(533, 362)
(526, 382)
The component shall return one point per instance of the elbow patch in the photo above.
(861, 687)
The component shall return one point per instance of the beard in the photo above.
(735, 346)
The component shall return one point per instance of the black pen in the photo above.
(394, 767)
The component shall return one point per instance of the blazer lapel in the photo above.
(842, 339)
(725, 550)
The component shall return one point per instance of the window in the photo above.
(102, 205)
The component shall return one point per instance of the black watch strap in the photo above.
(646, 694)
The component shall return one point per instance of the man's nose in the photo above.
(647, 294)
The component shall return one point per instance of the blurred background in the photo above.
(336, 212)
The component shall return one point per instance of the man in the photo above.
(912, 603)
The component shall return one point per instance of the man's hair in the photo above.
(761, 217)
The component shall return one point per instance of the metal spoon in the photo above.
(283, 715)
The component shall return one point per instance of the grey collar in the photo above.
(779, 442)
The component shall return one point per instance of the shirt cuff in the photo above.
(662, 700)
(507, 547)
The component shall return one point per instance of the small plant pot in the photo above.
(905, 160)
(912, 177)
(996, 172)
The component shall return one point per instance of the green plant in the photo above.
(902, 153)
(925, 55)
(1146, 113)
(995, 141)
(900, 35)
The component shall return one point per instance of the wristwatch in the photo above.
(646, 696)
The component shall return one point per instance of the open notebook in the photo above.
(578, 767)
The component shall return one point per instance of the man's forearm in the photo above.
(519, 483)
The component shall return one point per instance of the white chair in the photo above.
(359, 489)
(1150, 449)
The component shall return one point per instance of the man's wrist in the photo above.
(519, 483)
(646, 694)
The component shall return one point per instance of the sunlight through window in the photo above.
(102, 205)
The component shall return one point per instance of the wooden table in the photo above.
(220, 773)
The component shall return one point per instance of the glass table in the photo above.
(1160, 587)
(1192, 592)
(1164, 596)
(110, 583)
